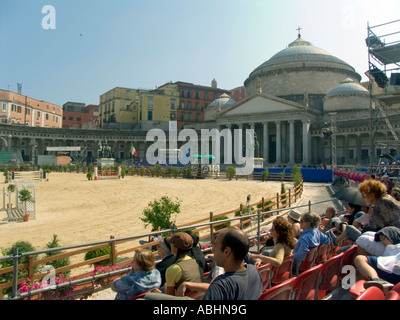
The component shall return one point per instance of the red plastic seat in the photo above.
(281, 291)
(349, 255)
(265, 272)
(323, 253)
(283, 272)
(330, 275)
(305, 286)
(396, 288)
(371, 293)
(392, 295)
(308, 262)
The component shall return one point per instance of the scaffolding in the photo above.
(383, 43)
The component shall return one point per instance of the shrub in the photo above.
(264, 175)
(296, 176)
(230, 172)
(283, 196)
(223, 225)
(60, 262)
(158, 213)
(99, 253)
(23, 246)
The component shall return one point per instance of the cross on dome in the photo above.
(298, 30)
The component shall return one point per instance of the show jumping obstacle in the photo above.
(107, 173)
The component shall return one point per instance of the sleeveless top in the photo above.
(186, 269)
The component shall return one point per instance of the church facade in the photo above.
(307, 107)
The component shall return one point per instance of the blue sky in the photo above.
(101, 44)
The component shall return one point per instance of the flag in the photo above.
(133, 150)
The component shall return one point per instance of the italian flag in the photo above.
(133, 150)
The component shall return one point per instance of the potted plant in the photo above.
(25, 196)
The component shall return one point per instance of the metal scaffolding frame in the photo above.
(383, 43)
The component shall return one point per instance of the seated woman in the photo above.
(144, 277)
(309, 238)
(385, 209)
(284, 240)
(185, 268)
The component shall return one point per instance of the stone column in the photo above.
(265, 143)
(278, 143)
(306, 133)
(291, 141)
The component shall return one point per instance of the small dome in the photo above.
(224, 100)
(348, 87)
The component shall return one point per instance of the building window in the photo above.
(189, 116)
(128, 94)
(189, 94)
(4, 108)
(197, 117)
(47, 116)
(189, 105)
(197, 95)
(150, 102)
(182, 105)
(150, 115)
(197, 106)
(182, 93)
(78, 119)
(205, 95)
(19, 109)
(173, 102)
(172, 116)
(70, 118)
(182, 116)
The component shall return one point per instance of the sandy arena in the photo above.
(81, 211)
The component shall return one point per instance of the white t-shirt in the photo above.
(368, 243)
(390, 261)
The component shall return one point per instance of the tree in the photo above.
(60, 262)
(158, 213)
(25, 196)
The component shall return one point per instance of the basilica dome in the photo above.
(222, 102)
(348, 95)
(299, 68)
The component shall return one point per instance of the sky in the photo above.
(80, 49)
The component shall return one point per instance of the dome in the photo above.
(348, 95)
(299, 68)
(348, 87)
(224, 100)
(301, 51)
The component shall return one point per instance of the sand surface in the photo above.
(81, 211)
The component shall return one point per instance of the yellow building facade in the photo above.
(132, 106)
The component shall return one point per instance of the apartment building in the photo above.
(20, 109)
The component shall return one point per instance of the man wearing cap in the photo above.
(184, 268)
(166, 256)
(386, 268)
